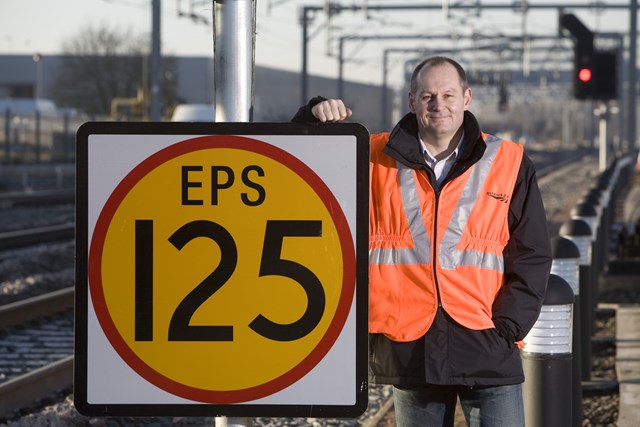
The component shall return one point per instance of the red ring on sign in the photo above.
(120, 345)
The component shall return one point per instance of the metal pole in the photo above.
(38, 118)
(66, 139)
(633, 81)
(37, 58)
(7, 136)
(305, 40)
(621, 147)
(233, 50)
(385, 101)
(566, 130)
(154, 65)
(340, 68)
(602, 138)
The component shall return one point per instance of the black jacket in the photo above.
(450, 353)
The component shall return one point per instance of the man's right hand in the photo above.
(331, 110)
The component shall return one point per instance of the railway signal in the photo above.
(605, 75)
(583, 70)
(585, 74)
(595, 73)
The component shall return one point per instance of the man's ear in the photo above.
(467, 99)
(411, 109)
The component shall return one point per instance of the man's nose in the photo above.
(435, 103)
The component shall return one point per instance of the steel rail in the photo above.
(12, 239)
(22, 198)
(36, 307)
(24, 390)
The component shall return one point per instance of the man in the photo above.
(459, 256)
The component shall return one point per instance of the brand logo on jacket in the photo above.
(498, 196)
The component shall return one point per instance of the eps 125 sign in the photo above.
(221, 269)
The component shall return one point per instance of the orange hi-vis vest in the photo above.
(426, 250)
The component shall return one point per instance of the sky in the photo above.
(42, 26)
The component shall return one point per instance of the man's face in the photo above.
(439, 102)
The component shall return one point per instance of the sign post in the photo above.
(221, 269)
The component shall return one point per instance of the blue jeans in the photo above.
(435, 405)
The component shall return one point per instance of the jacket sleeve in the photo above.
(527, 259)
(304, 114)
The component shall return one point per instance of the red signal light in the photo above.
(584, 75)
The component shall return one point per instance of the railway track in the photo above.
(36, 332)
(36, 307)
(37, 198)
(574, 174)
(36, 235)
(36, 341)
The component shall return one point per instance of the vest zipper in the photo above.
(435, 249)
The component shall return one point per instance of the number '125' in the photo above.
(271, 263)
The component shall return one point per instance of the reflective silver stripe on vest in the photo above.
(449, 257)
(421, 252)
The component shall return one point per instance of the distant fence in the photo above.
(37, 138)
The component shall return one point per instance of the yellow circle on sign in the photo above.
(226, 269)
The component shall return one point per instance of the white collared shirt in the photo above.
(440, 167)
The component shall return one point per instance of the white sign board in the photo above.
(221, 269)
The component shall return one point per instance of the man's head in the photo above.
(438, 60)
(439, 96)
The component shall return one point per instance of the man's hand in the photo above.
(331, 110)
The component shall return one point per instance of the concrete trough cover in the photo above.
(628, 364)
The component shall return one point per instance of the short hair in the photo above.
(438, 60)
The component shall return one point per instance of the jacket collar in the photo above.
(404, 143)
